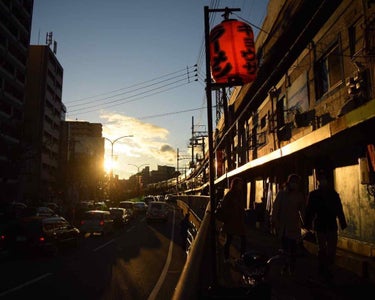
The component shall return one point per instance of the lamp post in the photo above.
(112, 144)
(138, 167)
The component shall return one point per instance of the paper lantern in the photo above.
(232, 53)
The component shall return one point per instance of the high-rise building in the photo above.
(15, 29)
(82, 159)
(44, 112)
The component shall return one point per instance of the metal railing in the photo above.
(188, 286)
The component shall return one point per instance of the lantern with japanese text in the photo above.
(232, 53)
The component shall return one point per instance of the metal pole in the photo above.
(138, 183)
(112, 144)
(111, 159)
(210, 148)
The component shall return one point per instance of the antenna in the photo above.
(49, 38)
(54, 47)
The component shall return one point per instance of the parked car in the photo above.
(140, 207)
(42, 235)
(96, 222)
(157, 211)
(119, 216)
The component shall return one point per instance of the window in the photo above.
(328, 71)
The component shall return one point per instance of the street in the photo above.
(142, 261)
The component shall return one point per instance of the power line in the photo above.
(134, 97)
(114, 103)
(129, 92)
(133, 85)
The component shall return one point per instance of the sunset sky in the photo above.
(130, 65)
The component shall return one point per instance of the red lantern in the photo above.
(232, 53)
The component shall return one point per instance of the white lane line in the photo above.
(25, 284)
(158, 285)
(131, 228)
(102, 246)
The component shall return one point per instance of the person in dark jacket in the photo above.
(287, 213)
(233, 205)
(323, 209)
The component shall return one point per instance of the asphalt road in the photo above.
(142, 261)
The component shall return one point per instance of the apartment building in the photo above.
(44, 113)
(15, 28)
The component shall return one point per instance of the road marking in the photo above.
(131, 228)
(158, 285)
(102, 246)
(25, 284)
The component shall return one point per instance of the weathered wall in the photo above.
(358, 206)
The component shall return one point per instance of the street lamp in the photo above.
(138, 167)
(112, 144)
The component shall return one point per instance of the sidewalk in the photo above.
(348, 282)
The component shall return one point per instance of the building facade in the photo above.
(15, 29)
(44, 113)
(82, 161)
(311, 106)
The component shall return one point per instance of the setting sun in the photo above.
(108, 165)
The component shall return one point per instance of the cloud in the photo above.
(147, 146)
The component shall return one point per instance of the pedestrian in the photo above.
(233, 206)
(323, 209)
(288, 209)
(184, 228)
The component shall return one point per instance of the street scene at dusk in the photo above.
(187, 149)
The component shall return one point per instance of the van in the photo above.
(157, 211)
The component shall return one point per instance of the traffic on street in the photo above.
(139, 261)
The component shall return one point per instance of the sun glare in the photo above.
(108, 165)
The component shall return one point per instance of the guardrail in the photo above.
(189, 284)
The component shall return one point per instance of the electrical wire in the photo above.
(145, 91)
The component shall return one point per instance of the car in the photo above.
(39, 211)
(129, 206)
(53, 206)
(96, 222)
(147, 199)
(140, 207)
(42, 235)
(12, 210)
(9, 214)
(120, 216)
(170, 198)
(157, 211)
(100, 206)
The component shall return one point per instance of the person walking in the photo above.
(288, 209)
(233, 206)
(323, 209)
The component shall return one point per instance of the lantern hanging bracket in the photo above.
(228, 11)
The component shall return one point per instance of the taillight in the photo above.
(101, 223)
(2, 237)
(41, 239)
